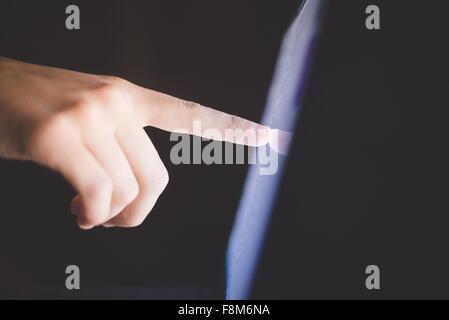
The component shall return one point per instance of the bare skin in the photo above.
(89, 128)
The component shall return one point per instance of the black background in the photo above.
(368, 175)
(366, 183)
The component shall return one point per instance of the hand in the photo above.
(89, 128)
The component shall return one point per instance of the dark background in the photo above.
(218, 53)
(366, 182)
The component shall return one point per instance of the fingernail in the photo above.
(280, 141)
(85, 227)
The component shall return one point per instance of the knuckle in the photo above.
(110, 95)
(106, 91)
(188, 104)
(126, 193)
(88, 111)
(192, 107)
(150, 187)
(99, 187)
(235, 122)
(163, 178)
(157, 182)
(116, 81)
(98, 191)
(100, 104)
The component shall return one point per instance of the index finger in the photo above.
(176, 115)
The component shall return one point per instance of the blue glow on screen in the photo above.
(282, 110)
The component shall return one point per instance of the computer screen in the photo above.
(282, 111)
